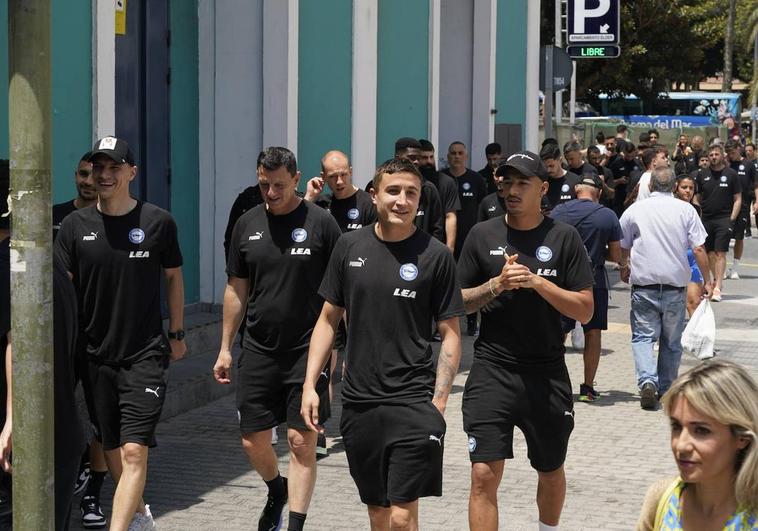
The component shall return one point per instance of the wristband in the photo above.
(489, 283)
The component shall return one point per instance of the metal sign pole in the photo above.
(547, 111)
(558, 44)
(572, 102)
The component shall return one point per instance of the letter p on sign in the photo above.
(581, 12)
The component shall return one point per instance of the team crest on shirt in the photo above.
(137, 235)
(723, 178)
(471, 444)
(408, 272)
(565, 188)
(544, 253)
(742, 167)
(467, 186)
(353, 213)
(299, 235)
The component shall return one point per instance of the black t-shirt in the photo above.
(471, 190)
(623, 168)
(117, 264)
(492, 206)
(429, 217)
(560, 190)
(284, 258)
(746, 174)
(413, 282)
(5, 320)
(488, 174)
(60, 211)
(248, 199)
(351, 213)
(597, 225)
(584, 168)
(520, 329)
(716, 190)
(447, 189)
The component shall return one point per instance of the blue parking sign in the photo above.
(593, 22)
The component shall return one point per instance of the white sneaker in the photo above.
(733, 275)
(726, 274)
(577, 336)
(143, 521)
(274, 436)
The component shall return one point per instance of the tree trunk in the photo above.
(31, 263)
(726, 84)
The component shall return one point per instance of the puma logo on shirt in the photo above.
(92, 237)
(360, 262)
(436, 439)
(257, 236)
(154, 391)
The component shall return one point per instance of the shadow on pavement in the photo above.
(610, 398)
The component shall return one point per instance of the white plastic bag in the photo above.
(699, 336)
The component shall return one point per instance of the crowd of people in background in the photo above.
(320, 268)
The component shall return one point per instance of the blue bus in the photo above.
(675, 109)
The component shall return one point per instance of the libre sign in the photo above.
(593, 52)
(593, 24)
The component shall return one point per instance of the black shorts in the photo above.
(539, 403)
(270, 389)
(599, 319)
(394, 451)
(742, 223)
(128, 400)
(718, 234)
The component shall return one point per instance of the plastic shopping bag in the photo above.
(699, 336)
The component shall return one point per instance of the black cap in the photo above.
(115, 148)
(526, 163)
(591, 179)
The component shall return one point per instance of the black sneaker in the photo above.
(587, 393)
(84, 474)
(647, 396)
(92, 514)
(271, 517)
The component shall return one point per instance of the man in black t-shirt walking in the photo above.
(494, 154)
(392, 406)
(86, 194)
(116, 252)
(720, 197)
(447, 189)
(277, 256)
(747, 176)
(523, 271)
(561, 182)
(493, 205)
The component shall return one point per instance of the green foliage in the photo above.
(665, 43)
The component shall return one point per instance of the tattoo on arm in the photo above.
(446, 371)
(475, 298)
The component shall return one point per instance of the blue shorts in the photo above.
(695, 276)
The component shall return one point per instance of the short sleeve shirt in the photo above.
(717, 189)
(284, 258)
(560, 190)
(471, 190)
(392, 291)
(746, 174)
(520, 329)
(117, 263)
(60, 211)
(351, 213)
(597, 226)
(491, 206)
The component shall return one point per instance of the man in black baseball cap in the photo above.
(523, 271)
(115, 148)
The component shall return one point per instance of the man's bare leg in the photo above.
(130, 485)
(257, 447)
(482, 502)
(591, 355)
(302, 470)
(551, 493)
(720, 266)
(404, 516)
(379, 517)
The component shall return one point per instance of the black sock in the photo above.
(95, 483)
(297, 521)
(276, 487)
